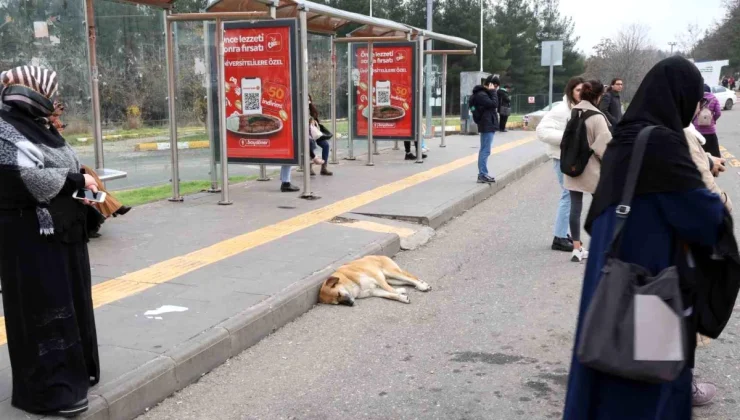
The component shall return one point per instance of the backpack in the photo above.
(574, 148)
(474, 111)
(705, 117)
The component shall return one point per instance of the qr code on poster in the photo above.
(384, 97)
(251, 101)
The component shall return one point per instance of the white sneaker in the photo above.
(579, 255)
(424, 150)
(702, 393)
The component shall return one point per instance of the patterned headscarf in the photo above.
(30, 88)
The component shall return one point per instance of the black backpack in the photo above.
(474, 111)
(574, 148)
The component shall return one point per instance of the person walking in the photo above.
(484, 105)
(44, 262)
(550, 131)
(706, 121)
(504, 107)
(598, 135)
(611, 103)
(671, 206)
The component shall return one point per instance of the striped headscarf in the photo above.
(30, 88)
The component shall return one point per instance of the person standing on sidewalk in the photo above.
(671, 205)
(706, 121)
(504, 107)
(44, 261)
(484, 105)
(550, 131)
(598, 134)
(611, 103)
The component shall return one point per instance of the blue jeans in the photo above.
(562, 218)
(285, 173)
(486, 140)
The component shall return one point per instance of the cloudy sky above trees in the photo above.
(665, 18)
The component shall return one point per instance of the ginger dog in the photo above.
(366, 277)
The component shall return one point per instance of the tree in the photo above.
(517, 24)
(688, 39)
(628, 56)
(555, 27)
(723, 41)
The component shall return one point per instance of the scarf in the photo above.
(666, 98)
(28, 145)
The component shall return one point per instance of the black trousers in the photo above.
(407, 146)
(712, 145)
(503, 120)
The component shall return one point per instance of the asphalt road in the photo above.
(492, 340)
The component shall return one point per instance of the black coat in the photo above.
(504, 100)
(611, 106)
(487, 102)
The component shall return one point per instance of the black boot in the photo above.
(121, 211)
(562, 244)
(288, 187)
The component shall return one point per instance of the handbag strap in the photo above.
(633, 173)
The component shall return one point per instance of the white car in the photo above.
(726, 97)
(539, 114)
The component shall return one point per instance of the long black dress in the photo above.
(46, 285)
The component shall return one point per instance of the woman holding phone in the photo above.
(44, 263)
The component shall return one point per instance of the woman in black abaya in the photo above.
(671, 206)
(44, 264)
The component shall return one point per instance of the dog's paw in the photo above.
(405, 299)
(423, 287)
(401, 291)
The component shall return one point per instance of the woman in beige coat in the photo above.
(599, 135)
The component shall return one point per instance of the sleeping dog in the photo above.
(366, 277)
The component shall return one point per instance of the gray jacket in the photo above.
(611, 106)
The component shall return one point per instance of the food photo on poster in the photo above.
(394, 84)
(261, 94)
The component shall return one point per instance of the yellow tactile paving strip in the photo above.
(379, 227)
(146, 278)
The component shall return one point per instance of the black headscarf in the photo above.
(667, 97)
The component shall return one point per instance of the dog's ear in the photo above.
(332, 281)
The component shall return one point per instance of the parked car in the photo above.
(726, 97)
(536, 116)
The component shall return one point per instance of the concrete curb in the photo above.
(462, 204)
(148, 147)
(135, 392)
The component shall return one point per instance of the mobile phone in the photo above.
(85, 194)
(251, 95)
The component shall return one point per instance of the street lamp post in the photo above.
(672, 44)
(481, 35)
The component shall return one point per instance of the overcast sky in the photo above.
(666, 18)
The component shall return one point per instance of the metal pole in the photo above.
(395, 145)
(552, 48)
(428, 81)
(222, 114)
(333, 101)
(263, 174)
(444, 99)
(350, 93)
(209, 112)
(92, 62)
(370, 105)
(371, 8)
(171, 98)
(303, 74)
(419, 95)
(481, 35)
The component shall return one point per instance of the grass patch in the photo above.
(139, 196)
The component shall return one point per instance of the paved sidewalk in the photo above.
(217, 279)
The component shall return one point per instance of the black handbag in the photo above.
(634, 325)
(326, 133)
(504, 111)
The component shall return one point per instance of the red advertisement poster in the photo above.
(394, 83)
(261, 92)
